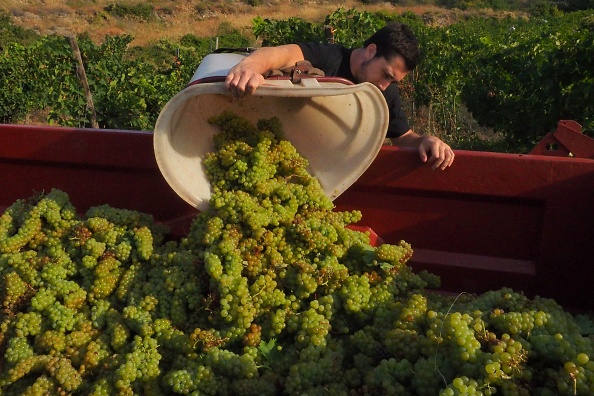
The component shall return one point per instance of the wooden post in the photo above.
(329, 30)
(82, 75)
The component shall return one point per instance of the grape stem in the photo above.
(574, 383)
(440, 333)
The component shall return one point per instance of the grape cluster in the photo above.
(271, 292)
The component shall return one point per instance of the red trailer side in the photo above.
(93, 166)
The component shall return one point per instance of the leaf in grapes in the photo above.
(269, 350)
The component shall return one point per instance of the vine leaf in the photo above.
(269, 350)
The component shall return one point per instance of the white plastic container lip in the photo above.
(339, 128)
(217, 65)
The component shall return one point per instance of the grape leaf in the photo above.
(266, 348)
(387, 267)
(270, 350)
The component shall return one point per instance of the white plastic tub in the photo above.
(339, 128)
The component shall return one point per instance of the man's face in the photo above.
(380, 72)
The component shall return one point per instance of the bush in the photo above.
(10, 33)
(142, 11)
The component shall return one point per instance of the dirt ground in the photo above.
(175, 18)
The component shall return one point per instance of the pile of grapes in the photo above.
(270, 293)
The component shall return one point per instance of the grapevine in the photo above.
(269, 293)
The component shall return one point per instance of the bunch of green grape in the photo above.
(271, 292)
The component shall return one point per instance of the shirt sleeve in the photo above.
(326, 57)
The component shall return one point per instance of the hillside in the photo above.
(171, 19)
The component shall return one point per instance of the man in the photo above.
(385, 59)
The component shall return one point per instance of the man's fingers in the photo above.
(437, 163)
(251, 85)
(446, 160)
(235, 83)
(451, 158)
(437, 155)
(423, 153)
(229, 80)
(441, 156)
(240, 84)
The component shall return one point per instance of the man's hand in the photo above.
(431, 149)
(437, 152)
(243, 79)
(246, 76)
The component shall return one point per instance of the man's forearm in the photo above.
(430, 149)
(265, 59)
(408, 139)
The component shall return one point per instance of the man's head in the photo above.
(396, 39)
(387, 56)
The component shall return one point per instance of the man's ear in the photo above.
(370, 51)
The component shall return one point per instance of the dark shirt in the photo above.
(334, 61)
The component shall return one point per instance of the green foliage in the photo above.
(574, 5)
(129, 85)
(508, 5)
(141, 11)
(13, 101)
(230, 37)
(128, 88)
(525, 76)
(130, 93)
(543, 9)
(275, 32)
(353, 27)
(10, 33)
(200, 44)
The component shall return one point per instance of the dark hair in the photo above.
(396, 39)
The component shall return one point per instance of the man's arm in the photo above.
(430, 148)
(248, 74)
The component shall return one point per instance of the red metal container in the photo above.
(490, 221)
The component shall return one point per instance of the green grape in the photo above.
(43, 385)
(28, 324)
(144, 242)
(390, 376)
(18, 348)
(14, 289)
(66, 376)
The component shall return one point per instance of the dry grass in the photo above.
(174, 18)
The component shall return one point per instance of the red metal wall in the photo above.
(94, 167)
